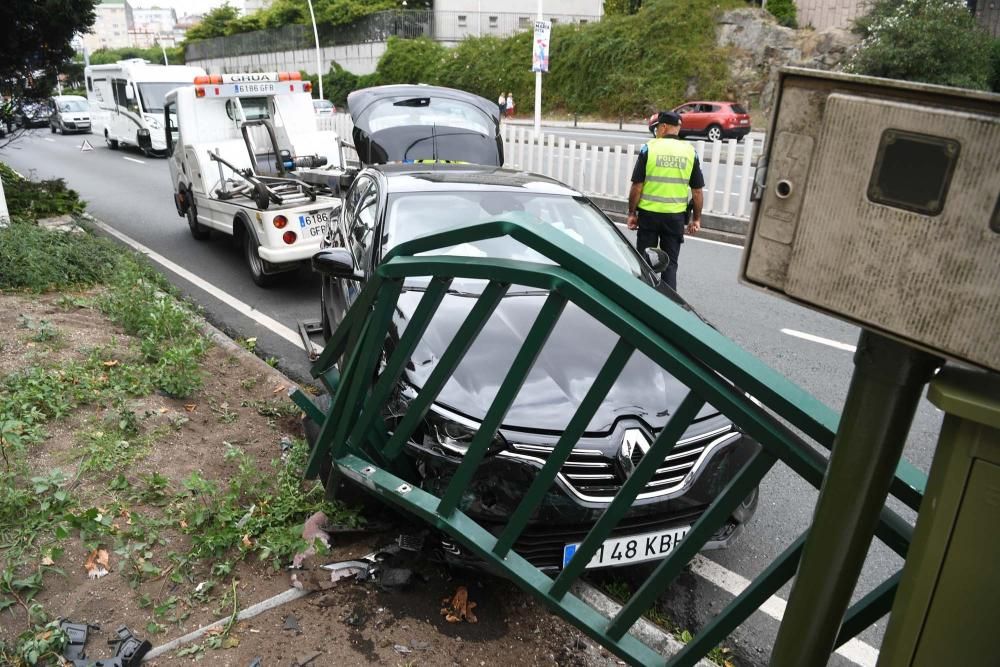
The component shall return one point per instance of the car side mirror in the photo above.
(336, 263)
(657, 259)
(129, 92)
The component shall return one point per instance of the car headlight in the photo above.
(455, 436)
(153, 122)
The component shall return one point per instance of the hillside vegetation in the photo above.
(623, 65)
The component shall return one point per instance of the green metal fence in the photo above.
(714, 369)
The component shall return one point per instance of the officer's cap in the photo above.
(668, 117)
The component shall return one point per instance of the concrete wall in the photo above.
(355, 58)
(823, 14)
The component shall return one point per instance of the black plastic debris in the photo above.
(129, 651)
(76, 639)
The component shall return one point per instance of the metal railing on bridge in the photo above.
(355, 438)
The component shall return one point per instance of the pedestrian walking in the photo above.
(502, 103)
(510, 105)
(658, 199)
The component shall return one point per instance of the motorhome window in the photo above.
(153, 94)
(437, 111)
(90, 84)
(254, 108)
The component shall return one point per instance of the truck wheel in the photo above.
(112, 143)
(256, 264)
(198, 230)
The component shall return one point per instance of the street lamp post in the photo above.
(319, 66)
(538, 88)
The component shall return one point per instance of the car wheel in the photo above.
(112, 143)
(745, 510)
(256, 264)
(714, 133)
(198, 230)
(52, 128)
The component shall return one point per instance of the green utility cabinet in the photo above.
(946, 609)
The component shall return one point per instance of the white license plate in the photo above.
(263, 88)
(633, 549)
(314, 224)
(744, 121)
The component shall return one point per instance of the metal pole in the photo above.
(885, 390)
(162, 48)
(319, 65)
(479, 18)
(4, 213)
(538, 88)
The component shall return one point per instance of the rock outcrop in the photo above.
(758, 46)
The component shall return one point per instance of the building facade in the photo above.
(455, 20)
(112, 25)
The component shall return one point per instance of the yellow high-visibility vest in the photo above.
(669, 163)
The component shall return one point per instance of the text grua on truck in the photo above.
(246, 159)
(127, 101)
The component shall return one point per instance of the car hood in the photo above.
(563, 372)
(425, 136)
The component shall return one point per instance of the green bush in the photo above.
(933, 41)
(37, 259)
(38, 199)
(784, 12)
(175, 55)
(627, 64)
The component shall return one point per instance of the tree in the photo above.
(933, 41)
(214, 24)
(36, 38)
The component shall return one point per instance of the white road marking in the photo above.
(819, 339)
(49, 139)
(277, 327)
(132, 159)
(854, 650)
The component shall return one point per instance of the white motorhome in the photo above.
(127, 101)
(247, 160)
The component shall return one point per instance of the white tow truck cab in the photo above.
(126, 99)
(247, 160)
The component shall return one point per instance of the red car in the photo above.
(715, 120)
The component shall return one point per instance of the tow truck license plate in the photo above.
(263, 88)
(315, 222)
(634, 549)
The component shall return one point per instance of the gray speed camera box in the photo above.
(878, 201)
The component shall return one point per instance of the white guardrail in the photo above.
(605, 171)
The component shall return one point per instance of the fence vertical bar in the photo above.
(594, 162)
(713, 177)
(616, 186)
(602, 384)
(571, 163)
(727, 190)
(629, 491)
(629, 161)
(723, 505)
(529, 160)
(562, 158)
(745, 168)
(449, 360)
(551, 154)
(581, 181)
(534, 341)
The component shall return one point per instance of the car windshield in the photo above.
(152, 94)
(72, 105)
(416, 214)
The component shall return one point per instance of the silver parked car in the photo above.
(69, 113)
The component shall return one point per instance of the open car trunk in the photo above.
(416, 123)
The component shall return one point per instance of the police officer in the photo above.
(658, 199)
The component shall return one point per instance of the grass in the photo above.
(159, 528)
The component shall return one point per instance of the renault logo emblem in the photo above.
(634, 447)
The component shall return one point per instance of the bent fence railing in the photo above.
(761, 402)
(605, 171)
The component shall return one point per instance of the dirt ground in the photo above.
(355, 623)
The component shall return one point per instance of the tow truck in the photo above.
(247, 160)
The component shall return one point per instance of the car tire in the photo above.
(745, 510)
(254, 261)
(714, 133)
(112, 143)
(199, 231)
(52, 128)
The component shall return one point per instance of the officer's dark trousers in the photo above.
(666, 232)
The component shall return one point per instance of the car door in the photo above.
(686, 112)
(354, 230)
